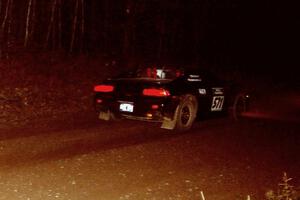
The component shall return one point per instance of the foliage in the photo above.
(285, 191)
(33, 89)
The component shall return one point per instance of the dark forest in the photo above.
(224, 33)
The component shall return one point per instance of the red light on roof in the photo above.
(104, 88)
(149, 72)
(160, 92)
(154, 72)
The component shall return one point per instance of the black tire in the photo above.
(186, 113)
(240, 106)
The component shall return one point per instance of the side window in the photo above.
(210, 79)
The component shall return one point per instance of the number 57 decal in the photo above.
(217, 103)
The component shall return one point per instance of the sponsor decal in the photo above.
(194, 76)
(218, 91)
(202, 91)
(194, 79)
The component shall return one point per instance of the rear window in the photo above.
(153, 73)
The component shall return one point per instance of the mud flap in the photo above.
(168, 123)
(105, 115)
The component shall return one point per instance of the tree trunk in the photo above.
(53, 31)
(27, 23)
(10, 18)
(2, 28)
(128, 27)
(5, 15)
(82, 30)
(75, 19)
(1, 31)
(59, 25)
(33, 19)
(105, 39)
(51, 23)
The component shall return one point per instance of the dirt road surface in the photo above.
(88, 159)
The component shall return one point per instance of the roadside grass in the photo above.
(285, 190)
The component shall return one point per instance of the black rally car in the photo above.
(172, 96)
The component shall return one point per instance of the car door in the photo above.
(215, 93)
(217, 99)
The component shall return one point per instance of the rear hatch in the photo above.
(130, 98)
(132, 89)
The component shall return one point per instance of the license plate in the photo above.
(126, 107)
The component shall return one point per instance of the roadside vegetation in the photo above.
(285, 190)
(47, 87)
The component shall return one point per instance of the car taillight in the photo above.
(103, 88)
(156, 92)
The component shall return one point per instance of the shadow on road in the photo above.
(43, 146)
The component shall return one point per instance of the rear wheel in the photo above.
(186, 113)
(239, 107)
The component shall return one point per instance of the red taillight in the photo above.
(103, 88)
(156, 92)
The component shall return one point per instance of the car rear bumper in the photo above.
(149, 109)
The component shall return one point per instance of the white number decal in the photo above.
(217, 103)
